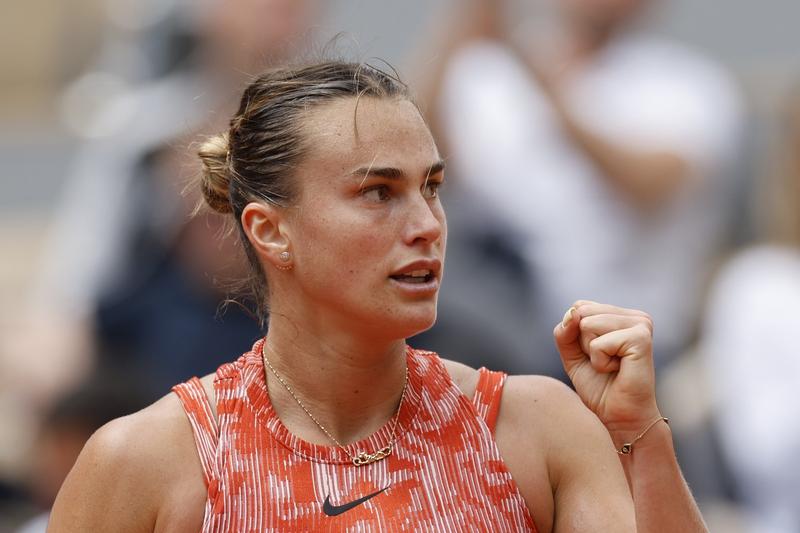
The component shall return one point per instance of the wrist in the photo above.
(652, 433)
(631, 421)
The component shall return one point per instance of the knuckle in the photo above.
(592, 345)
(644, 334)
(643, 319)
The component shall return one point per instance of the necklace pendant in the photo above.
(364, 458)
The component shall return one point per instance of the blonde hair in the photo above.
(215, 178)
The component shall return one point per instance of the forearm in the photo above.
(662, 499)
(646, 178)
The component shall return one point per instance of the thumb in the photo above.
(567, 337)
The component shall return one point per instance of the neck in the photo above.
(352, 385)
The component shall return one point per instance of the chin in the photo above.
(414, 323)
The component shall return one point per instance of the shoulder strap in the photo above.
(196, 404)
(487, 396)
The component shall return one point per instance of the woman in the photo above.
(332, 422)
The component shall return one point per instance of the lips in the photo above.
(415, 276)
(420, 278)
(420, 271)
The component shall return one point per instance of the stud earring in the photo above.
(285, 257)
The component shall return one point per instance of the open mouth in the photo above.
(416, 276)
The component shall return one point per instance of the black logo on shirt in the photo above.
(333, 510)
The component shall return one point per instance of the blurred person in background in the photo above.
(750, 349)
(66, 426)
(126, 273)
(125, 266)
(638, 133)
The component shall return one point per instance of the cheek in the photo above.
(347, 247)
(370, 247)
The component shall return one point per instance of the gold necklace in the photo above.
(362, 458)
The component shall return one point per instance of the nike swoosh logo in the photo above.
(333, 510)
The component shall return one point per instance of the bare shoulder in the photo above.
(541, 399)
(551, 442)
(128, 471)
(465, 377)
(546, 412)
(530, 398)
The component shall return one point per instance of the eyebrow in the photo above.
(392, 173)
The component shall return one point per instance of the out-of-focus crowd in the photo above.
(588, 157)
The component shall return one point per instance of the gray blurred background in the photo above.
(45, 44)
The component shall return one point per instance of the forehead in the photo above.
(348, 133)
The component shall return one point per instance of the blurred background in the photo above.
(641, 152)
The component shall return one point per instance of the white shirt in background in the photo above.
(751, 353)
(583, 239)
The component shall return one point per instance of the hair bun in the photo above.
(216, 177)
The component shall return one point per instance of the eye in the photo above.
(431, 189)
(376, 193)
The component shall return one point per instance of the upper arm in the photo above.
(140, 470)
(562, 459)
(104, 487)
(591, 493)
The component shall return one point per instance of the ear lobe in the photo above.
(262, 225)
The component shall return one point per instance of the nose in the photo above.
(426, 222)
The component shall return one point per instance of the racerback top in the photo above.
(444, 474)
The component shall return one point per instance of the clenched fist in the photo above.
(607, 352)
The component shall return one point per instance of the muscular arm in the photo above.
(607, 353)
(660, 494)
(562, 459)
(136, 473)
(104, 488)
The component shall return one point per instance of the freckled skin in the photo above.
(346, 244)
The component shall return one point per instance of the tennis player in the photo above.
(331, 421)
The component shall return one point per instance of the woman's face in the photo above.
(368, 232)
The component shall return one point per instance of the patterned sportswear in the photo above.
(445, 473)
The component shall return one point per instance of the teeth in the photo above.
(419, 273)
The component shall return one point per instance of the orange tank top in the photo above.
(445, 473)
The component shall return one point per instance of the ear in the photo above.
(265, 227)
